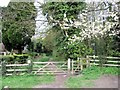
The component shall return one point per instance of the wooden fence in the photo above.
(104, 61)
(79, 65)
(14, 69)
(64, 67)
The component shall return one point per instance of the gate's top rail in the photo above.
(47, 62)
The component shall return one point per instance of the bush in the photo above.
(33, 54)
(7, 58)
(21, 58)
(44, 59)
(10, 59)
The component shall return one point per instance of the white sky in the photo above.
(4, 3)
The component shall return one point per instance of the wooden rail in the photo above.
(69, 66)
(104, 57)
(17, 65)
(9, 69)
(108, 61)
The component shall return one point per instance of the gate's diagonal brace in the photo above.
(41, 68)
(59, 67)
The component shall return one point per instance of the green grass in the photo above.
(89, 74)
(43, 59)
(26, 81)
(77, 82)
(0, 82)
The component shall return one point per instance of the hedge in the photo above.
(16, 58)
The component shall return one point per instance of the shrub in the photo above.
(21, 58)
(7, 58)
(10, 59)
(44, 59)
(33, 54)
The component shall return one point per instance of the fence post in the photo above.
(88, 63)
(94, 59)
(30, 64)
(3, 65)
(4, 53)
(72, 67)
(81, 64)
(69, 65)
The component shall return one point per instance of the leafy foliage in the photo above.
(18, 25)
(57, 10)
(57, 15)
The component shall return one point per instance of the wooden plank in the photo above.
(11, 70)
(49, 71)
(113, 57)
(93, 56)
(105, 64)
(36, 69)
(114, 61)
(12, 65)
(47, 62)
(40, 62)
(52, 74)
(110, 65)
(105, 57)
(8, 74)
(94, 60)
(93, 64)
(106, 61)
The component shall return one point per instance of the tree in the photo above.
(18, 25)
(62, 17)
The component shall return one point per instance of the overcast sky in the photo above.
(4, 3)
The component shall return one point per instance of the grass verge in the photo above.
(26, 81)
(89, 74)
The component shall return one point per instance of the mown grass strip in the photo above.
(89, 74)
(26, 81)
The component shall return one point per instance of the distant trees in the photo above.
(18, 25)
(36, 45)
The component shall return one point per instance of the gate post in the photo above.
(3, 67)
(87, 62)
(68, 65)
(72, 67)
(29, 66)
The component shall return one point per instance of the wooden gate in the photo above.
(78, 65)
(65, 67)
(50, 67)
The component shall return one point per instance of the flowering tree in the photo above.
(97, 23)
(78, 29)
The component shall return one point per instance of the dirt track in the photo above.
(59, 83)
(105, 81)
